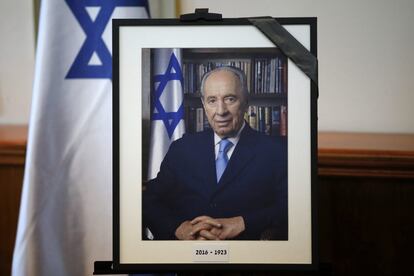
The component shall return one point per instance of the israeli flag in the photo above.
(167, 108)
(65, 221)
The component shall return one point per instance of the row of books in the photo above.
(270, 120)
(267, 75)
(195, 119)
(194, 72)
(270, 76)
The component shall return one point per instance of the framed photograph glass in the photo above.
(214, 147)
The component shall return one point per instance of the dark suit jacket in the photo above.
(254, 186)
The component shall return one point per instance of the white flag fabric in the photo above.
(167, 108)
(65, 221)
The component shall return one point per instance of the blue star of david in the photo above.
(94, 42)
(170, 119)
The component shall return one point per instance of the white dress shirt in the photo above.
(234, 141)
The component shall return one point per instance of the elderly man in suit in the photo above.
(228, 182)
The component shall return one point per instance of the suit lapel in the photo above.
(242, 155)
(207, 163)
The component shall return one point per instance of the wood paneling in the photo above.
(366, 203)
(366, 155)
(12, 156)
(366, 225)
(12, 145)
(365, 200)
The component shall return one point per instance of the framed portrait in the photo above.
(214, 147)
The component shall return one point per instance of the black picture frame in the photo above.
(118, 265)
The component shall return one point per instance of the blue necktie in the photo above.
(222, 159)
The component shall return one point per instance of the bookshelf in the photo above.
(266, 73)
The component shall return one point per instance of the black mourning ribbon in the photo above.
(289, 46)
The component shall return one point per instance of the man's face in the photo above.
(224, 103)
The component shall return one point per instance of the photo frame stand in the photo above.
(307, 62)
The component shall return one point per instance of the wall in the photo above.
(365, 57)
(17, 50)
(17, 55)
(162, 8)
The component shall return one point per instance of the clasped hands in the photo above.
(208, 228)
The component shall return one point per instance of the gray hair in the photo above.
(236, 71)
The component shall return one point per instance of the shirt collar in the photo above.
(233, 139)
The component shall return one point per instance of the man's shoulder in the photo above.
(193, 139)
(267, 147)
(265, 141)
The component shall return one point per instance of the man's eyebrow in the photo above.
(234, 95)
